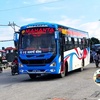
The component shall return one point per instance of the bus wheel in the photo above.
(32, 76)
(63, 74)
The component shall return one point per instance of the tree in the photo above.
(94, 41)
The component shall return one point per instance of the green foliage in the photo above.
(94, 41)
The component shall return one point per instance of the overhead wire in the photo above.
(21, 8)
(29, 5)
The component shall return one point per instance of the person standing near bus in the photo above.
(1, 69)
(97, 59)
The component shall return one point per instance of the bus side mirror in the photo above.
(16, 39)
(56, 35)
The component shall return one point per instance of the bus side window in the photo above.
(88, 42)
(80, 43)
(69, 43)
(76, 42)
(84, 43)
(72, 43)
(66, 43)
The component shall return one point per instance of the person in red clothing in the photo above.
(14, 68)
(15, 61)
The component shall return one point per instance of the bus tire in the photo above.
(65, 72)
(61, 75)
(32, 76)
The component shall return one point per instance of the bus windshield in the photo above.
(43, 41)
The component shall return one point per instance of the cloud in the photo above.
(27, 3)
(28, 20)
(45, 1)
(52, 8)
(6, 33)
(68, 22)
(93, 28)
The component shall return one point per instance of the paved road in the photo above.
(75, 86)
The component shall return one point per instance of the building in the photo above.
(10, 53)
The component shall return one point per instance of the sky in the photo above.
(80, 14)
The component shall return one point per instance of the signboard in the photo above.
(38, 31)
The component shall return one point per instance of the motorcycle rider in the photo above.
(14, 68)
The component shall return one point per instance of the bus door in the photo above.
(62, 42)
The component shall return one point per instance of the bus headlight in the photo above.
(53, 64)
(20, 65)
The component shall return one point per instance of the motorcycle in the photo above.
(14, 69)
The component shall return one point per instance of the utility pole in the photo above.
(12, 25)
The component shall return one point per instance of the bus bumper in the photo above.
(38, 70)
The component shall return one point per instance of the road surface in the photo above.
(76, 86)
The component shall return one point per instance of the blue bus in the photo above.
(50, 48)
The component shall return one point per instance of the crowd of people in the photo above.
(95, 57)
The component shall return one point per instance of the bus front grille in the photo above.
(37, 62)
(33, 65)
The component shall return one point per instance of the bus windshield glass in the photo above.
(38, 39)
